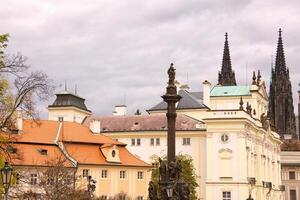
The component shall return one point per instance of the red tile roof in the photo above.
(80, 143)
(142, 123)
(30, 155)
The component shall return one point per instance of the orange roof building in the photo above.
(92, 154)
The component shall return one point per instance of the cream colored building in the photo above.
(290, 162)
(146, 137)
(224, 129)
(234, 143)
(85, 151)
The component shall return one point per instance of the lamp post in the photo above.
(170, 191)
(6, 173)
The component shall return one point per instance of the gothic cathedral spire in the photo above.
(227, 75)
(281, 108)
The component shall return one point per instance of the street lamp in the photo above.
(6, 173)
(169, 191)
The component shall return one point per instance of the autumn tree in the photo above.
(187, 173)
(20, 88)
(54, 181)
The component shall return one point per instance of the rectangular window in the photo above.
(85, 172)
(133, 142)
(104, 174)
(186, 141)
(293, 195)
(140, 198)
(33, 179)
(226, 196)
(152, 142)
(140, 175)
(292, 175)
(122, 174)
(157, 141)
(104, 197)
(50, 181)
(138, 142)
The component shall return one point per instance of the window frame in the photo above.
(152, 142)
(132, 141)
(138, 141)
(104, 172)
(186, 141)
(85, 172)
(157, 141)
(140, 175)
(294, 175)
(33, 179)
(295, 192)
(227, 195)
(122, 174)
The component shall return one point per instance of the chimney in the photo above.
(19, 124)
(120, 110)
(19, 121)
(206, 93)
(95, 126)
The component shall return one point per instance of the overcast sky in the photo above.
(119, 51)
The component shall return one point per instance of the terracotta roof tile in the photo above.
(81, 144)
(30, 155)
(45, 131)
(142, 122)
(95, 156)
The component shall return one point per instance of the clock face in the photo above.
(113, 153)
(224, 138)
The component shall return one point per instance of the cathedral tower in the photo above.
(226, 76)
(281, 108)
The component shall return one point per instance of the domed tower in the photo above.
(68, 107)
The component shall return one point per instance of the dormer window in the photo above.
(11, 149)
(113, 153)
(43, 151)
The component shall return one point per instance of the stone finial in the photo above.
(254, 79)
(254, 112)
(247, 107)
(258, 78)
(250, 109)
(241, 104)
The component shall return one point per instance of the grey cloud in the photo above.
(116, 48)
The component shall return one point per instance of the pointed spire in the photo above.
(280, 65)
(226, 76)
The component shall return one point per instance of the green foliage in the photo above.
(187, 173)
(3, 45)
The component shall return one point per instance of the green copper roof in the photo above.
(218, 91)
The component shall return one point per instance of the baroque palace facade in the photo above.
(229, 130)
(226, 129)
